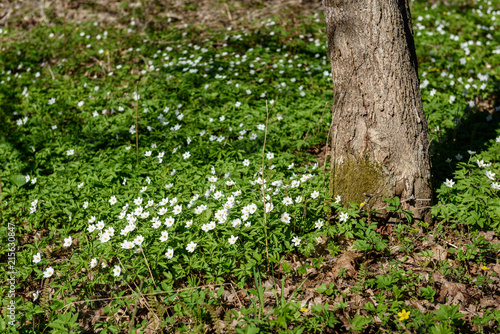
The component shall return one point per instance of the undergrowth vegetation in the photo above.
(174, 180)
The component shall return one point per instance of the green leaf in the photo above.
(322, 288)
(253, 292)
(18, 180)
(251, 330)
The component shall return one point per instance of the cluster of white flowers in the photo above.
(33, 206)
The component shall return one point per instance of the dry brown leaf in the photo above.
(440, 254)
(454, 293)
(347, 261)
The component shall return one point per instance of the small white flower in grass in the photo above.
(232, 240)
(169, 221)
(285, 218)
(27, 178)
(177, 209)
(117, 271)
(93, 263)
(495, 185)
(80, 185)
(337, 199)
(100, 224)
(169, 254)
(490, 175)
(191, 247)
(125, 231)
(497, 139)
(164, 236)
(156, 224)
(110, 231)
(91, 228)
(295, 184)
(85, 204)
(287, 201)
(296, 241)
(162, 211)
(168, 186)
(315, 194)
(237, 104)
(230, 183)
(138, 201)
(212, 179)
(269, 207)
(189, 223)
(344, 216)
(164, 201)
(218, 194)
(480, 163)
(70, 152)
(298, 199)
(186, 155)
(143, 189)
(138, 211)
(271, 102)
(127, 244)
(246, 162)
(236, 222)
(112, 200)
(199, 209)
(67, 242)
(173, 201)
(139, 240)
(253, 136)
(261, 127)
(269, 155)
(104, 238)
(449, 183)
(37, 258)
(147, 154)
(80, 103)
(36, 295)
(127, 148)
(318, 224)
(48, 272)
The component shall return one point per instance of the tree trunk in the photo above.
(379, 132)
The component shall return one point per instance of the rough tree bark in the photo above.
(379, 139)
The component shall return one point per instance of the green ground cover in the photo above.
(174, 180)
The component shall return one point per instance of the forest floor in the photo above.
(132, 154)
